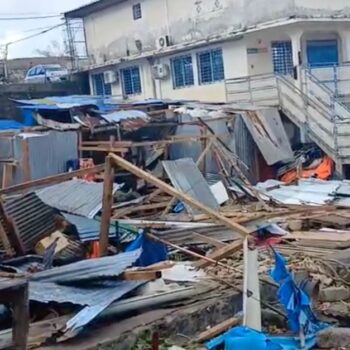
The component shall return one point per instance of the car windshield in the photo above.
(54, 69)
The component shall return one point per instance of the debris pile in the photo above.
(160, 215)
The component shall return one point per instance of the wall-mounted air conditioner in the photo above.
(110, 77)
(160, 71)
(163, 42)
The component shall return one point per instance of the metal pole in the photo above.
(6, 75)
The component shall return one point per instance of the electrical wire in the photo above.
(24, 18)
(35, 35)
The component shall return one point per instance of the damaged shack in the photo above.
(167, 224)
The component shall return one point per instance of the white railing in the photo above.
(314, 108)
(335, 78)
(256, 89)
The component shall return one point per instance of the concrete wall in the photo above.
(112, 33)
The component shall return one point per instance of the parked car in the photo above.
(46, 73)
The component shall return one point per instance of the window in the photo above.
(99, 86)
(131, 81)
(136, 11)
(322, 53)
(182, 71)
(282, 57)
(210, 66)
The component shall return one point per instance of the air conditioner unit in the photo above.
(160, 71)
(110, 77)
(163, 42)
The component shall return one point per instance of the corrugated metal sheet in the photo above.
(86, 315)
(48, 153)
(88, 229)
(88, 270)
(186, 177)
(116, 117)
(75, 196)
(266, 128)
(31, 218)
(46, 292)
(246, 150)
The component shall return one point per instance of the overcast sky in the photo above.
(14, 30)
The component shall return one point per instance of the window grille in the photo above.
(131, 81)
(136, 11)
(210, 66)
(282, 57)
(182, 71)
(99, 86)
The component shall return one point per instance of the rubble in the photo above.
(150, 216)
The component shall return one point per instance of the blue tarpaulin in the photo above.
(9, 124)
(244, 338)
(296, 302)
(152, 252)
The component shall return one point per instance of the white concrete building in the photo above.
(290, 53)
(200, 43)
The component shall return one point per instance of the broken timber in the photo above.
(50, 180)
(179, 195)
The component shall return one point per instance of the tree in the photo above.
(54, 49)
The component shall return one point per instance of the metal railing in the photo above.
(255, 89)
(312, 105)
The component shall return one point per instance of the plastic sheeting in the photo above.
(243, 338)
(152, 252)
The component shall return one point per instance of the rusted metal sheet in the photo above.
(31, 220)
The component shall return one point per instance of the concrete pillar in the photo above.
(345, 46)
(297, 54)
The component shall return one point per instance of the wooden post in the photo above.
(107, 202)
(179, 195)
(25, 161)
(21, 318)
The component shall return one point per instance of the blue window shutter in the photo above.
(322, 53)
(98, 84)
(218, 65)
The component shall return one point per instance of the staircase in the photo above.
(309, 103)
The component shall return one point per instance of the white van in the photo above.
(46, 73)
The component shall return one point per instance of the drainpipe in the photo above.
(154, 88)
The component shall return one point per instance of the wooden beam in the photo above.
(51, 180)
(141, 275)
(107, 202)
(179, 195)
(7, 174)
(25, 163)
(133, 209)
(209, 240)
(217, 330)
(221, 253)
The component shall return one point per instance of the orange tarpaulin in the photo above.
(324, 171)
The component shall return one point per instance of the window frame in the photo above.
(134, 92)
(183, 71)
(213, 80)
(105, 86)
(283, 64)
(137, 11)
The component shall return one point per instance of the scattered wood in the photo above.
(177, 194)
(217, 330)
(141, 275)
(137, 209)
(107, 202)
(221, 253)
(51, 180)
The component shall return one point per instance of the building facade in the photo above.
(186, 49)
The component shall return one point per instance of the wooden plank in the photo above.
(105, 149)
(221, 253)
(5, 241)
(107, 202)
(216, 243)
(179, 195)
(51, 180)
(217, 330)
(133, 209)
(25, 160)
(141, 275)
(7, 175)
